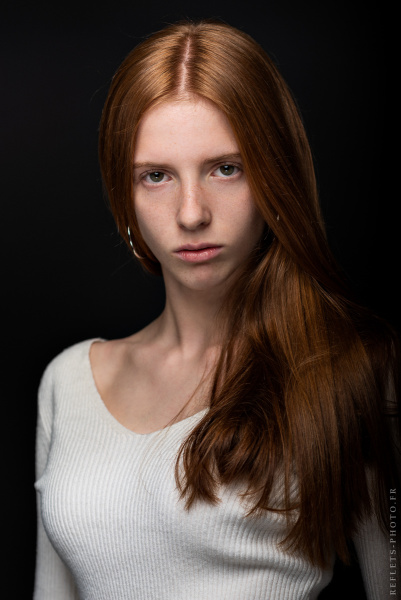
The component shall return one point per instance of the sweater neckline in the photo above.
(114, 422)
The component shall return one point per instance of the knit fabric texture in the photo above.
(111, 525)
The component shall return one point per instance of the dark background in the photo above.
(66, 275)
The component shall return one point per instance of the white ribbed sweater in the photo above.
(111, 525)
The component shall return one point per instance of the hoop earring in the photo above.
(132, 245)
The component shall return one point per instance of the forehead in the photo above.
(183, 128)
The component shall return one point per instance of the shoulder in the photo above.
(67, 362)
(69, 369)
(58, 379)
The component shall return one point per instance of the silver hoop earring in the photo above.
(129, 238)
(137, 255)
(132, 245)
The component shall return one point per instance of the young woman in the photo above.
(239, 442)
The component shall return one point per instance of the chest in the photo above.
(119, 497)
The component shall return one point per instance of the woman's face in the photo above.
(192, 200)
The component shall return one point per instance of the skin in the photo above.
(189, 189)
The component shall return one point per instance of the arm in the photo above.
(53, 580)
(373, 549)
(379, 551)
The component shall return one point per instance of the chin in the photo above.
(206, 279)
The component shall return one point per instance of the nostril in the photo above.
(193, 225)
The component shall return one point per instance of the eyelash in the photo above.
(222, 176)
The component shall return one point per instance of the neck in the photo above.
(189, 320)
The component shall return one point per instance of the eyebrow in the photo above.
(235, 156)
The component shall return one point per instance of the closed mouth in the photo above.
(196, 247)
(198, 253)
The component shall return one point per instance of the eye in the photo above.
(155, 176)
(226, 170)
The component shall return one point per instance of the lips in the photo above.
(198, 252)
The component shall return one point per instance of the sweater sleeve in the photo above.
(378, 552)
(53, 580)
(373, 550)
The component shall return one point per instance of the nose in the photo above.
(193, 207)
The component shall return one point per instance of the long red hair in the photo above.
(305, 375)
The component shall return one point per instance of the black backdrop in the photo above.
(67, 276)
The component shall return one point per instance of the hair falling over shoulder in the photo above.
(306, 385)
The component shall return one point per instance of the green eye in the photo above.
(156, 176)
(227, 169)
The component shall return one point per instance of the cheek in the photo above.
(153, 213)
(148, 224)
(247, 221)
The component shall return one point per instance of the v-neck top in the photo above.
(111, 524)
